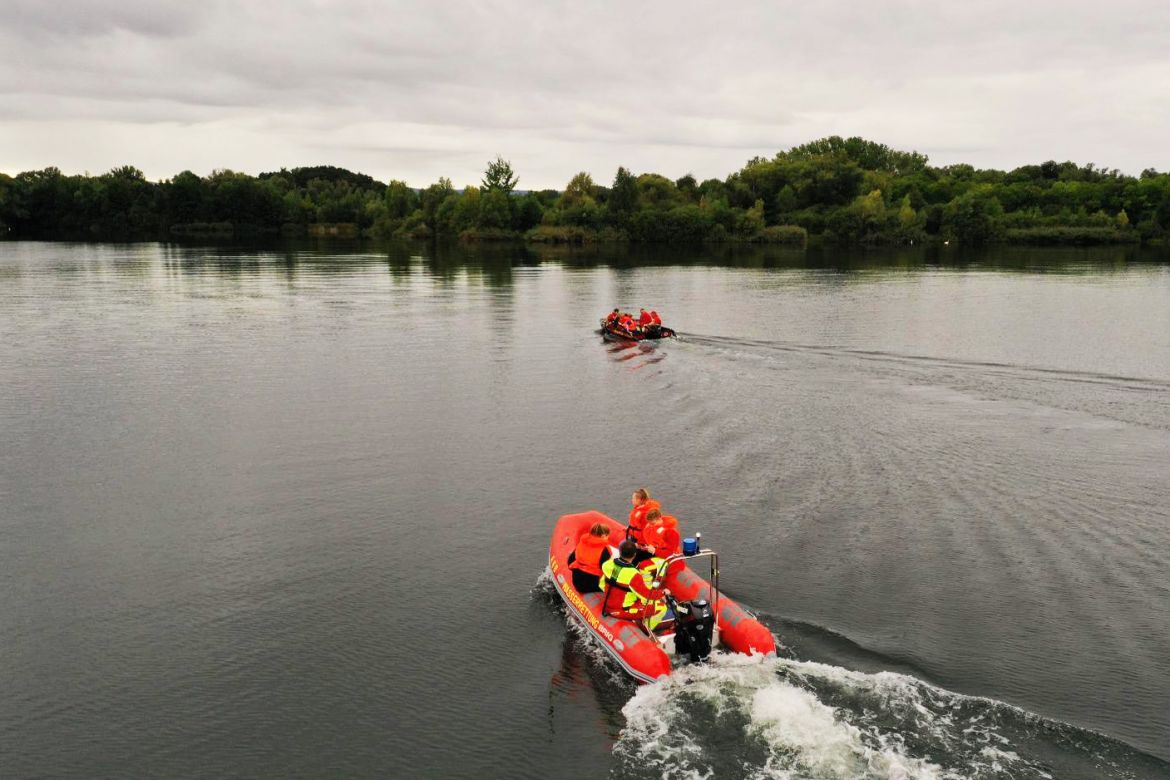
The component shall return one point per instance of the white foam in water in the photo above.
(764, 718)
(798, 735)
(544, 582)
(692, 724)
(794, 720)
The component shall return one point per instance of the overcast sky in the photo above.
(416, 90)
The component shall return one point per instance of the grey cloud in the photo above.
(560, 87)
(156, 18)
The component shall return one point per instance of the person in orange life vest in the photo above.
(612, 317)
(642, 504)
(585, 561)
(644, 318)
(635, 598)
(662, 534)
(626, 322)
(655, 318)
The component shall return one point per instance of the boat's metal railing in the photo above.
(659, 581)
(664, 567)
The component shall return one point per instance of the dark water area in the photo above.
(285, 511)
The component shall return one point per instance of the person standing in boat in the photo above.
(585, 562)
(642, 505)
(636, 599)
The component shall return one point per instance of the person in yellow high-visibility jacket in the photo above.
(628, 591)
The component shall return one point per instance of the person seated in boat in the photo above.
(644, 318)
(661, 534)
(585, 561)
(629, 593)
(626, 323)
(642, 504)
(654, 318)
(612, 317)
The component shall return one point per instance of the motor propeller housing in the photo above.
(694, 629)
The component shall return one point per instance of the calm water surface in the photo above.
(271, 513)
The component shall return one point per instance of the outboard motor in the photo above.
(694, 628)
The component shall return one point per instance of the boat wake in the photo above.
(782, 717)
(731, 343)
(1132, 400)
(785, 718)
(788, 718)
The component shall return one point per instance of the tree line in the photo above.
(833, 190)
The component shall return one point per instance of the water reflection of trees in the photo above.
(493, 265)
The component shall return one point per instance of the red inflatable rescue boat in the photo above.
(697, 607)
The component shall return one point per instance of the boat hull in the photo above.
(652, 335)
(644, 658)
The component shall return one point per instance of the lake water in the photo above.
(285, 512)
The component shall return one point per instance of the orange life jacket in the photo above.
(664, 537)
(587, 556)
(638, 518)
(654, 316)
(626, 322)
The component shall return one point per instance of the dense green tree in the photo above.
(585, 213)
(495, 210)
(579, 188)
(658, 192)
(401, 200)
(443, 222)
(528, 212)
(465, 215)
(300, 177)
(866, 154)
(5, 187)
(499, 177)
(712, 188)
(786, 200)
(751, 221)
(975, 217)
(865, 221)
(720, 214)
(433, 197)
(623, 197)
(186, 198)
(910, 222)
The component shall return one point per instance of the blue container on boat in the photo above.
(690, 545)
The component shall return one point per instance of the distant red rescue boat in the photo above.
(611, 331)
